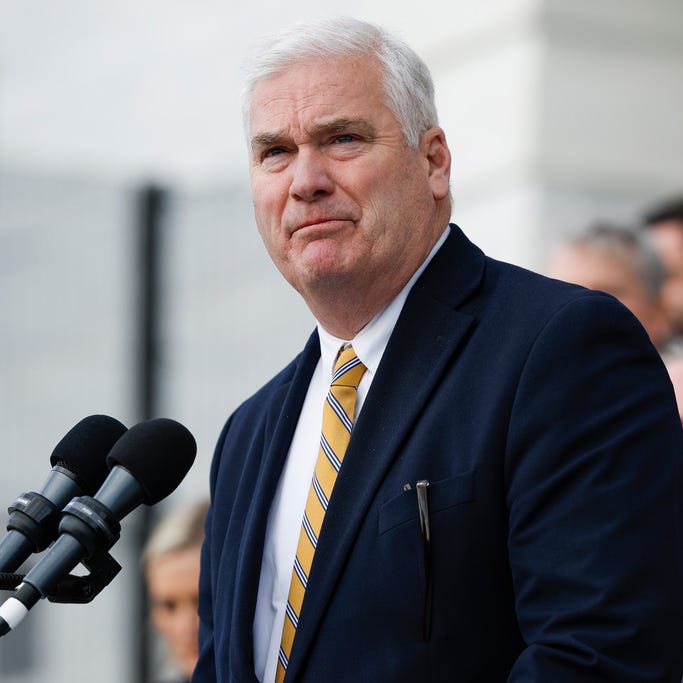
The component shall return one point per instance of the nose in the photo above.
(311, 177)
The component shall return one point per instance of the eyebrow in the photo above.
(340, 125)
(262, 140)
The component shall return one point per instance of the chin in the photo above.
(323, 279)
(188, 667)
(319, 273)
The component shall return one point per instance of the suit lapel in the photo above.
(427, 335)
(287, 402)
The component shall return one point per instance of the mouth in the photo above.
(318, 223)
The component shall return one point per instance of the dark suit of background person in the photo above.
(545, 423)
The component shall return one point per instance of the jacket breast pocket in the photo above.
(441, 495)
(412, 527)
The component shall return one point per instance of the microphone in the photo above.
(78, 467)
(147, 463)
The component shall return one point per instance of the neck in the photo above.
(344, 308)
(344, 321)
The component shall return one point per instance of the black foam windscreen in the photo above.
(83, 450)
(158, 453)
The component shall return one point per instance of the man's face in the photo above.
(338, 196)
(667, 238)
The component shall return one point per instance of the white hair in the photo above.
(408, 85)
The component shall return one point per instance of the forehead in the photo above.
(309, 92)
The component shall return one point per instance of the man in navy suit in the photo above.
(508, 507)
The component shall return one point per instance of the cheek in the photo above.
(390, 204)
(269, 197)
(391, 187)
(377, 196)
(268, 214)
(671, 291)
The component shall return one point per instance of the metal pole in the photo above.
(150, 204)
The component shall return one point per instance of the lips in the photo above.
(316, 222)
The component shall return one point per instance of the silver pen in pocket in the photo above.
(423, 510)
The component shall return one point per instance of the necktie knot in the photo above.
(348, 370)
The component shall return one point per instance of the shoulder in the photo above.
(502, 294)
(533, 292)
(552, 310)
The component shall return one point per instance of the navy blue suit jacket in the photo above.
(546, 425)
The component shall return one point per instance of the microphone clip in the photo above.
(72, 589)
(79, 590)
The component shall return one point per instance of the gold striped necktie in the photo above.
(338, 412)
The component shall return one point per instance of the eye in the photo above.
(168, 606)
(273, 152)
(346, 137)
(273, 158)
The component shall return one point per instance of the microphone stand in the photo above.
(76, 590)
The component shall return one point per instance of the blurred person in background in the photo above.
(171, 560)
(621, 262)
(664, 225)
(674, 365)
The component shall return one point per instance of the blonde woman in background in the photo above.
(171, 561)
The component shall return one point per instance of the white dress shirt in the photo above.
(287, 509)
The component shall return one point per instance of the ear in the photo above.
(438, 158)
